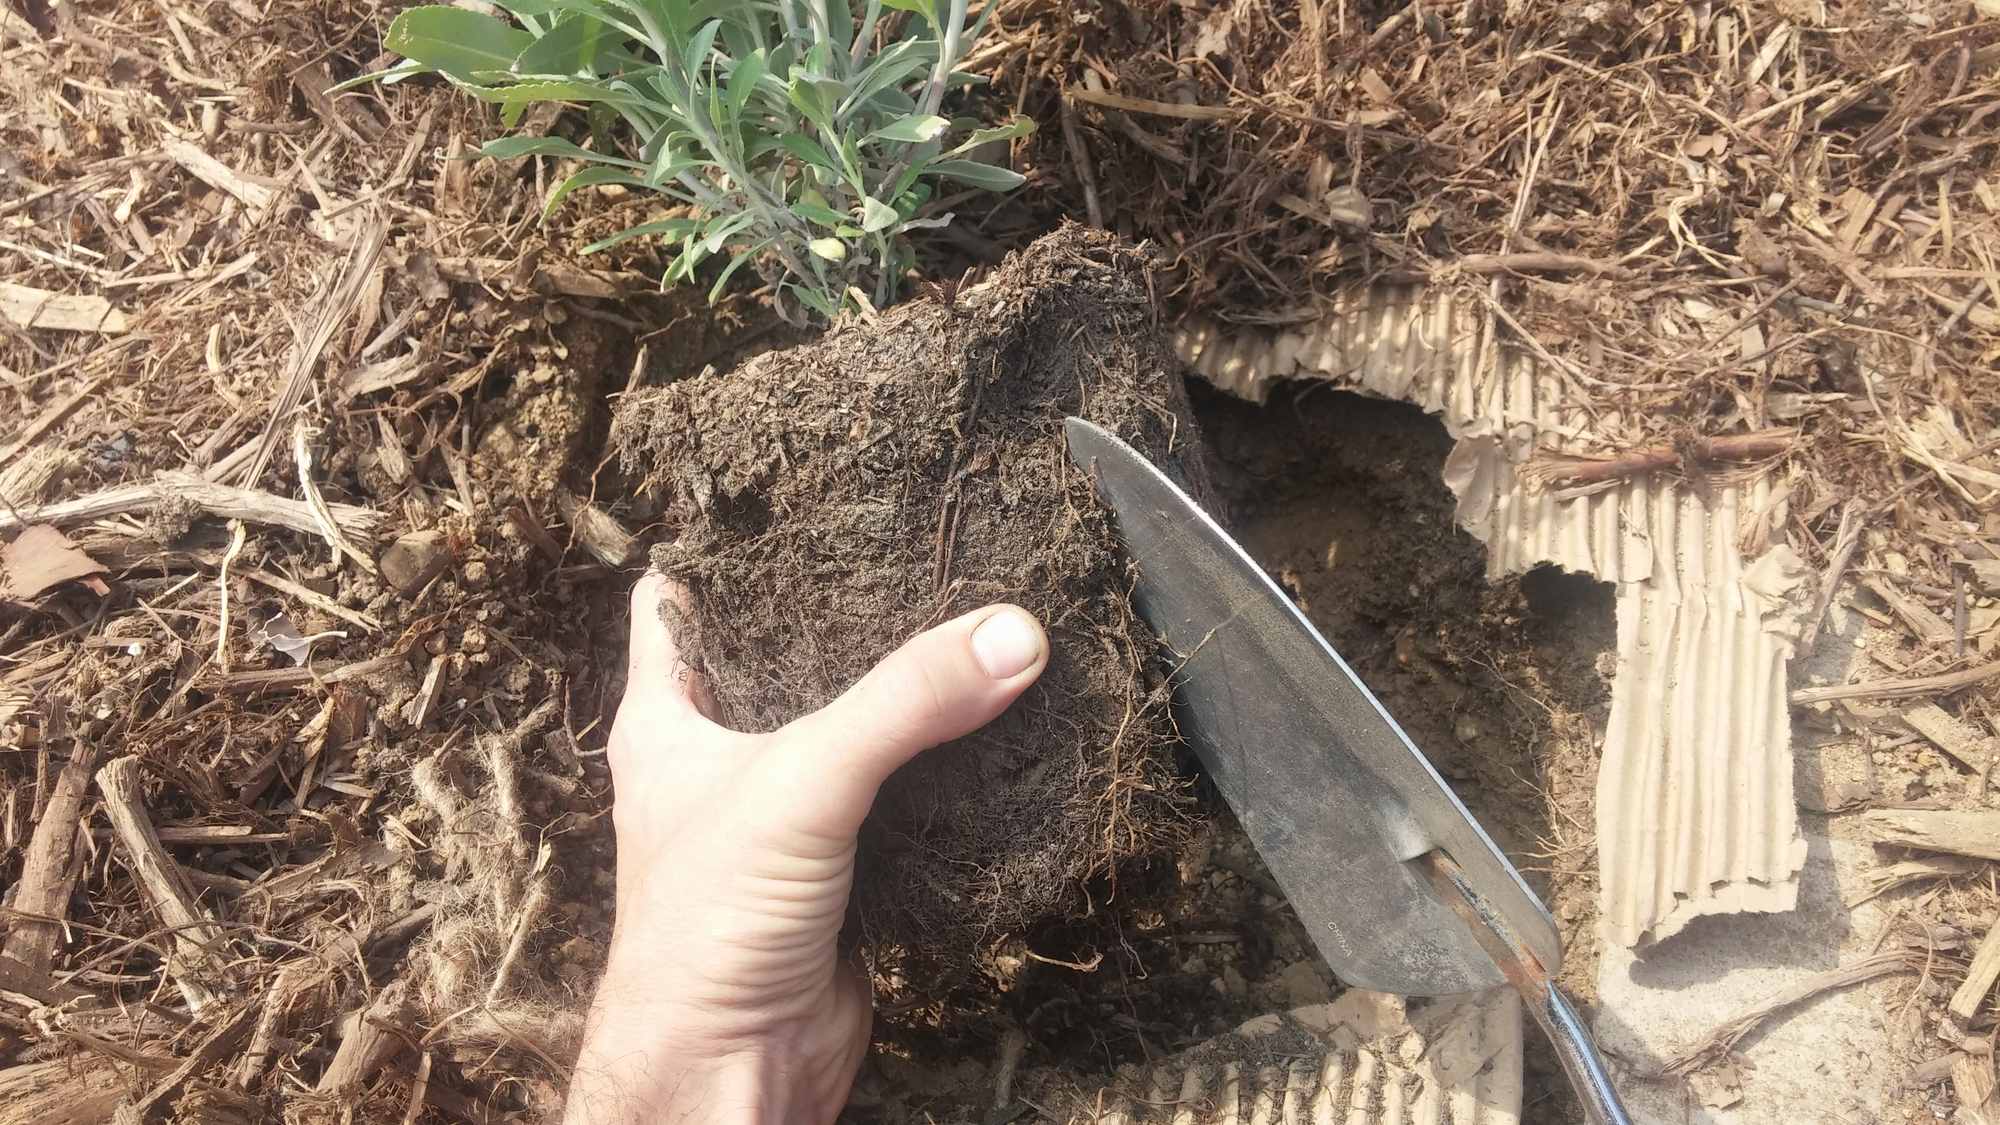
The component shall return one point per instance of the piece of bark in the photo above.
(294, 980)
(1979, 979)
(217, 835)
(220, 500)
(1954, 737)
(319, 673)
(1911, 688)
(80, 1090)
(42, 558)
(1929, 627)
(1973, 833)
(215, 1046)
(1930, 1072)
(63, 312)
(36, 983)
(418, 710)
(369, 1038)
(1985, 573)
(1553, 468)
(48, 872)
(595, 528)
(1972, 1079)
(1882, 880)
(257, 197)
(197, 965)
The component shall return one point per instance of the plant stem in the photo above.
(822, 23)
(885, 286)
(864, 38)
(934, 96)
(947, 57)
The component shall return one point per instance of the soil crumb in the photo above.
(833, 500)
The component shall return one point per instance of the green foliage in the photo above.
(800, 136)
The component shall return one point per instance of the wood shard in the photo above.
(417, 712)
(601, 534)
(1689, 456)
(1973, 1080)
(80, 1089)
(47, 871)
(219, 500)
(197, 965)
(1915, 687)
(369, 1038)
(218, 175)
(1979, 979)
(1954, 737)
(217, 1045)
(1973, 833)
(1110, 100)
(1929, 627)
(29, 307)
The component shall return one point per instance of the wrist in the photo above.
(650, 1058)
(620, 1081)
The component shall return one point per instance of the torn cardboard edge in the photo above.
(1695, 808)
(1366, 1058)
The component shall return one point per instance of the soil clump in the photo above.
(833, 500)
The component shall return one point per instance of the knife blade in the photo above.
(1398, 885)
(1331, 791)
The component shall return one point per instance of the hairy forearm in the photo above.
(634, 1084)
(648, 1059)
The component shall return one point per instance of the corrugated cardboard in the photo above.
(1695, 813)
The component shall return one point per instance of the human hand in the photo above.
(724, 998)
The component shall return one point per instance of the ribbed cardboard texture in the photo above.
(1695, 811)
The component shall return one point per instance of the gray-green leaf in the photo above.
(978, 175)
(698, 47)
(924, 8)
(911, 130)
(876, 215)
(815, 210)
(573, 44)
(509, 148)
(807, 149)
(805, 96)
(454, 41)
(589, 177)
(743, 79)
(668, 228)
(736, 263)
(1018, 127)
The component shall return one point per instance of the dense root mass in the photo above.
(833, 500)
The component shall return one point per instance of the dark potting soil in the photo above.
(832, 500)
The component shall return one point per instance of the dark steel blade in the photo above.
(1328, 787)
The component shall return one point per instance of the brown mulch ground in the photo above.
(1720, 218)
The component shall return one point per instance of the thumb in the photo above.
(656, 671)
(942, 684)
